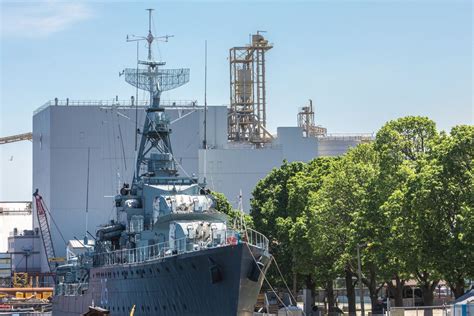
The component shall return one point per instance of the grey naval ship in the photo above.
(169, 251)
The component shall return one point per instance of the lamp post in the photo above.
(359, 270)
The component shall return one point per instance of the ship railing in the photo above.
(256, 239)
(253, 237)
(70, 289)
(218, 238)
(67, 289)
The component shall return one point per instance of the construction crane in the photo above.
(16, 138)
(45, 231)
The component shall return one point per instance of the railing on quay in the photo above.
(180, 246)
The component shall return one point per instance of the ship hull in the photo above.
(217, 281)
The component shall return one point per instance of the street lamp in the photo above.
(361, 293)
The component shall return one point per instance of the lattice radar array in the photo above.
(162, 79)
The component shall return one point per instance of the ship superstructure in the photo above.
(169, 251)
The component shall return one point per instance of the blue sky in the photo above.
(362, 62)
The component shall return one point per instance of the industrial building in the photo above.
(24, 248)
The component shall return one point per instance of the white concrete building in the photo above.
(63, 134)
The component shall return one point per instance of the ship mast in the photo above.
(155, 152)
(150, 36)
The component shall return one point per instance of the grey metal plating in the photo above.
(180, 285)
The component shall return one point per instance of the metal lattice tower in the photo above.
(45, 230)
(306, 121)
(155, 153)
(247, 116)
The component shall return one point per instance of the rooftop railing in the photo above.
(219, 238)
(116, 103)
(348, 136)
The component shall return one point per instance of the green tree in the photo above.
(338, 210)
(442, 195)
(272, 217)
(308, 263)
(279, 208)
(407, 198)
(223, 205)
(401, 145)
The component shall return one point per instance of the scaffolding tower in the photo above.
(306, 121)
(247, 114)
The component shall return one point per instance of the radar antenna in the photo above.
(155, 134)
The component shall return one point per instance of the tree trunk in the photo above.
(330, 297)
(457, 287)
(371, 284)
(396, 290)
(427, 288)
(374, 300)
(311, 284)
(350, 288)
(294, 285)
(428, 297)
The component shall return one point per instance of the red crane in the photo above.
(41, 210)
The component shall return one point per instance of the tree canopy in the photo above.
(405, 200)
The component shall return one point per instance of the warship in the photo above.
(169, 251)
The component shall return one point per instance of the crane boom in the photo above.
(16, 138)
(45, 231)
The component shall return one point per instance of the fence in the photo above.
(443, 310)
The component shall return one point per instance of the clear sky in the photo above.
(362, 62)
